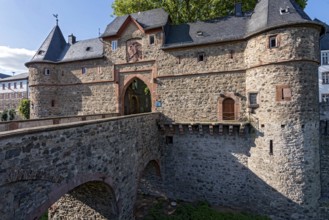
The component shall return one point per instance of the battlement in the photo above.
(200, 128)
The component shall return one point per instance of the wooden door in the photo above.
(228, 109)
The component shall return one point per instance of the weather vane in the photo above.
(56, 16)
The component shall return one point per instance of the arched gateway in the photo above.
(137, 98)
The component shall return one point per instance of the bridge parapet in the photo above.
(20, 124)
(41, 164)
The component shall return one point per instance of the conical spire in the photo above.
(272, 13)
(52, 47)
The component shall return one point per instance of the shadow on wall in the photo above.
(213, 168)
(92, 200)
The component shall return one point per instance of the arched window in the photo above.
(228, 109)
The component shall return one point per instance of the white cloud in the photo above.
(13, 59)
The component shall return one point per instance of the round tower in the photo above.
(282, 95)
(43, 76)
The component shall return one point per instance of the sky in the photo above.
(25, 24)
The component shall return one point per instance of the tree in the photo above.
(24, 108)
(8, 115)
(183, 11)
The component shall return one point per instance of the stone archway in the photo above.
(149, 188)
(91, 200)
(137, 98)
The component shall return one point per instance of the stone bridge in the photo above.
(81, 170)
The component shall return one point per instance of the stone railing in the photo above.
(13, 125)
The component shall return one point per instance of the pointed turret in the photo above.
(52, 47)
(274, 13)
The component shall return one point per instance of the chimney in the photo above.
(72, 39)
(238, 9)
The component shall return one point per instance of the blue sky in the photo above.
(26, 23)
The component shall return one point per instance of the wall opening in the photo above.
(228, 109)
(149, 188)
(91, 200)
(137, 98)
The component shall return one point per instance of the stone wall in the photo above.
(196, 98)
(286, 155)
(40, 165)
(225, 57)
(67, 91)
(204, 167)
(324, 157)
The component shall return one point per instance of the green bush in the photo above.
(8, 115)
(24, 108)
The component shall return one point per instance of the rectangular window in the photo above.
(271, 147)
(324, 58)
(325, 78)
(9, 86)
(3, 87)
(21, 85)
(15, 85)
(273, 42)
(201, 57)
(325, 97)
(253, 98)
(114, 45)
(84, 70)
(46, 72)
(152, 39)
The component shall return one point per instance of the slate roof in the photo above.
(3, 76)
(324, 41)
(52, 47)
(82, 50)
(267, 14)
(16, 77)
(55, 49)
(147, 19)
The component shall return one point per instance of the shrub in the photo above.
(24, 108)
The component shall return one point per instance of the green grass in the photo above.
(201, 211)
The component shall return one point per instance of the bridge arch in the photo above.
(149, 184)
(93, 194)
(135, 96)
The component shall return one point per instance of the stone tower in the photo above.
(281, 87)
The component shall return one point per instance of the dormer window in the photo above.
(46, 72)
(152, 39)
(114, 45)
(40, 52)
(88, 49)
(273, 41)
(284, 10)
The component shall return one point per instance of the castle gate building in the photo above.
(237, 96)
